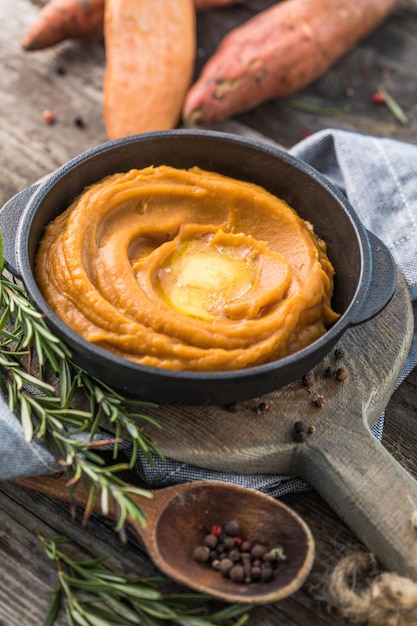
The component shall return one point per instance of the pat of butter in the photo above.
(200, 279)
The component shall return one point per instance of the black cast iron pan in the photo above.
(365, 277)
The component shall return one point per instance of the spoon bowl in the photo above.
(178, 517)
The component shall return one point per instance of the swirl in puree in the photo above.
(187, 270)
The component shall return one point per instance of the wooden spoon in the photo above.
(179, 516)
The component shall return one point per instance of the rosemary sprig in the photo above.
(92, 595)
(317, 109)
(52, 413)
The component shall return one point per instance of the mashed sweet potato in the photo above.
(187, 270)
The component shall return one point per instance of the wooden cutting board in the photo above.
(341, 459)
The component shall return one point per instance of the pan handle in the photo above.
(374, 495)
(10, 215)
(383, 281)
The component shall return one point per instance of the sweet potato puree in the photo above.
(187, 270)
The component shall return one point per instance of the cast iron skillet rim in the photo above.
(65, 331)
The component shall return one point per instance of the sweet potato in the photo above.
(278, 52)
(150, 54)
(81, 19)
(65, 19)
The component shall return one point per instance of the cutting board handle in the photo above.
(370, 490)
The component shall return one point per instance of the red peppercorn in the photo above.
(378, 98)
(238, 541)
(263, 407)
(319, 401)
(49, 117)
(216, 530)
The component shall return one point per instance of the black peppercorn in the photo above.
(233, 528)
(237, 574)
(201, 554)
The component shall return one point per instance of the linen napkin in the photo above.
(379, 177)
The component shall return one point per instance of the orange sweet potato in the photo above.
(279, 51)
(81, 19)
(150, 54)
(65, 19)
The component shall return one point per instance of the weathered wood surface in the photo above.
(67, 80)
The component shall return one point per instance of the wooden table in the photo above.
(67, 80)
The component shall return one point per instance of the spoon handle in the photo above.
(369, 490)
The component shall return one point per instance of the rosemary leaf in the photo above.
(26, 418)
(54, 607)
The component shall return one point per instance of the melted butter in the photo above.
(200, 279)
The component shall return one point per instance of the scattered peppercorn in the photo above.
(300, 427)
(378, 98)
(79, 122)
(232, 407)
(339, 353)
(319, 401)
(241, 560)
(263, 407)
(342, 373)
(329, 372)
(308, 379)
(311, 429)
(48, 116)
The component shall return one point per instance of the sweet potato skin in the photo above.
(65, 19)
(59, 20)
(278, 52)
(150, 55)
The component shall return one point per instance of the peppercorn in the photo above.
(79, 122)
(339, 353)
(234, 555)
(342, 373)
(378, 98)
(300, 426)
(329, 372)
(201, 554)
(319, 401)
(258, 551)
(308, 379)
(48, 116)
(237, 574)
(266, 573)
(229, 543)
(211, 540)
(216, 530)
(263, 407)
(225, 566)
(233, 528)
